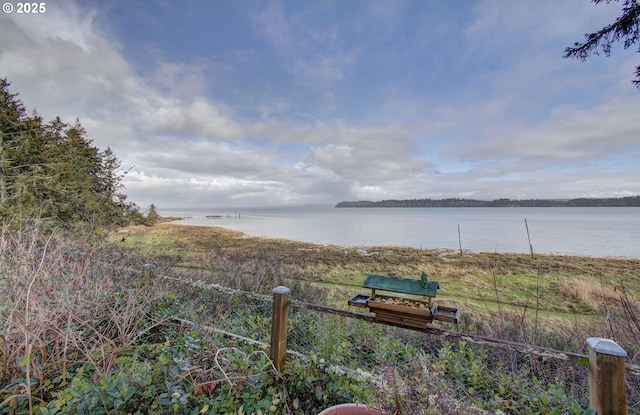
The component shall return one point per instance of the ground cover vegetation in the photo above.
(547, 300)
(94, 333)
(86, 328)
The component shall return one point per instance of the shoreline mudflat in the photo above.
(564, 284)
(198, 238)
(601, 232)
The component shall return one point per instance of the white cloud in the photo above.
(484, 110)
(62, 21)
(569, 135)
(198, 117)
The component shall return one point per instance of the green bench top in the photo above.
(402, 285)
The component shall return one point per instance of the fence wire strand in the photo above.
(348, 338)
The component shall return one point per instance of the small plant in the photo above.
(494, 384)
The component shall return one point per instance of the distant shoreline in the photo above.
(631, 201)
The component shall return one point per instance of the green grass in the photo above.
(564, 287)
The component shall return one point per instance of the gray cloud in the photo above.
(258, 146)
(578, 134)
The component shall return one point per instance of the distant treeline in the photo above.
(456, 202)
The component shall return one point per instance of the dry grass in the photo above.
(558, 285)
(587, 294)
(66, 300)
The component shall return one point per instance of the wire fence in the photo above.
(88, 303)
(358, 346)
(344, 337)
(341, 338)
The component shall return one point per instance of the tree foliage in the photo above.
(457, 202)
(52, 170)
(152, 215)
(625, 29)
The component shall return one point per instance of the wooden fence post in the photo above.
(279, 326)
(607, 387)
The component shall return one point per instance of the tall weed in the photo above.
(68, 299)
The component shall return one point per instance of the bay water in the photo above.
(592, 231)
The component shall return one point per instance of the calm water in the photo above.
(578, 231)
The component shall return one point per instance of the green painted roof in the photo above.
(402, 285)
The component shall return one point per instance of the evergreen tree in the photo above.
(152, 215)
(12, 113)
(625, 29)
(54, 171)
(20, 161)
(110, 175)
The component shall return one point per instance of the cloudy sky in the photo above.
(255, 103)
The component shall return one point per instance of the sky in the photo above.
(252, 103)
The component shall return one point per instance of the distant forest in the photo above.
(455, 202)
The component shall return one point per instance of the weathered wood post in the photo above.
(606, 377)
(279, 326)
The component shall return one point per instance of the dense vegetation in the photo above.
(52, 171)
(456, 202)
(86, 329)
(549, 300)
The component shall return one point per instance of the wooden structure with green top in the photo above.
(405, 310)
